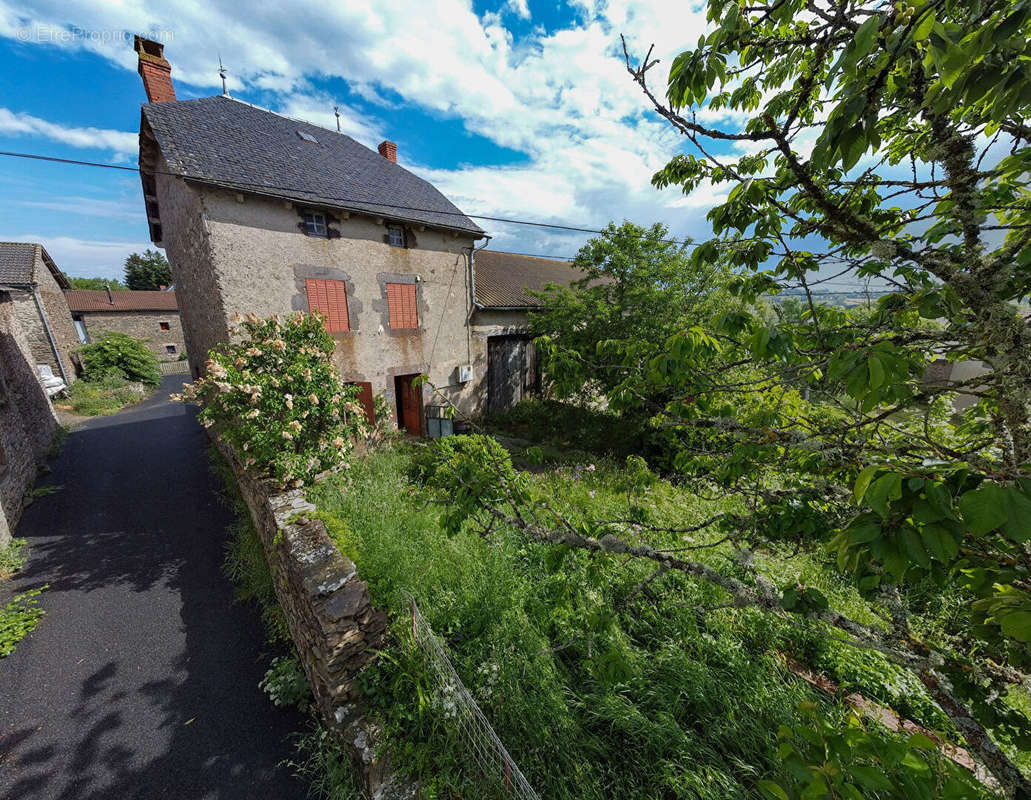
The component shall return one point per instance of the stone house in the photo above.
(501, 320)
(27, 421)
(36, 287)
(152, 317)
(259, 213)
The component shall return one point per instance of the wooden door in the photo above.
(365, 400)
(509, 371)
(409, 404)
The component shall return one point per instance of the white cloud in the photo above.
(121, 143)
(563, 98)
(89, 207)
(84, 258)
(519, 8)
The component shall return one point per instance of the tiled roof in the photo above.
(17, 262)
(502, 278)
(97, 300)
(221, 141)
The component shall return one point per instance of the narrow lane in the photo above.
(142, 679)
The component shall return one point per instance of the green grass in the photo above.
(101, 397)
(18, 618)
(660, 701)
(12, 557)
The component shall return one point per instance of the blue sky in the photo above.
(515, 109)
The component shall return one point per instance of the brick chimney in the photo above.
(388, 150)
(155, 70)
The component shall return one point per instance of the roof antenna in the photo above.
(222, 75)
(336, 110)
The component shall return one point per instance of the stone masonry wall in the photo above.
(143, 325)
(330, 616)
(56, 307)
(27, 422)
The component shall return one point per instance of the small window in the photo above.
(307, 137)
(164, 326)
(170, 349)
(401, 304)
(314, 224)
(395, 236)
(329, 298)
(80, 330)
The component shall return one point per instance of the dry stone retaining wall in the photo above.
(330, 616)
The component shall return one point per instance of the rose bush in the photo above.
(277, 399)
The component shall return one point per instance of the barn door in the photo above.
(409, 404)
(509, 364)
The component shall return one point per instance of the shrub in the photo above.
(120, 355)
(467, 471)
(18, 618)
(276, 398)
(104, 395)
(286, 684)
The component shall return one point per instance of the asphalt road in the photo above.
(142, 679)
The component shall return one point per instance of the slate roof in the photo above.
(18, 264)
(96, 300)
(225, 142)
(502, 278)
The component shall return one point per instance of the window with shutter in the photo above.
(402, 306)
(329, 298)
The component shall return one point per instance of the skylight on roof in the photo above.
(307, 137)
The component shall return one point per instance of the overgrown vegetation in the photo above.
(602, 679)
(106, 395)
(20, 615)
(12, 557)
(276, 398)
(117, 355)
(18, 618)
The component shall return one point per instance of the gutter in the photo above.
(50, 334)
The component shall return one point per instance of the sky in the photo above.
(517, 109)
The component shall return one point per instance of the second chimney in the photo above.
(388, 150)
(155, 70)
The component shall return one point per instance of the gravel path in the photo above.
(141, 680)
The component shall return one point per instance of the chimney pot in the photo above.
(155, 70)
(388, 150)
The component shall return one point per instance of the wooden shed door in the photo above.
(511, 371)
(409, 404)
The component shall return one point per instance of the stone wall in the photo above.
(52, 299)
(143, 325)
(27, 422)
(330, 616)
(185, 237)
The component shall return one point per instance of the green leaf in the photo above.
(865, 38)
(863, 481)
(914, 547)
(1017, 625)
(940, 543)
(1018, 515)
(887, 487)
(871, 778)
(772, 790)
(876, 372)
(984, 509)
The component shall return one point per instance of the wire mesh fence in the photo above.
(484, 744)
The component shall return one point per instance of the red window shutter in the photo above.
(402, 306)
(329, 298)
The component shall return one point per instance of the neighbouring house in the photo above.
(501, 321)
(27, 421)
(263, 214)
(36, 287)
(152, 317)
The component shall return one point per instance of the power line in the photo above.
(247, 185)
